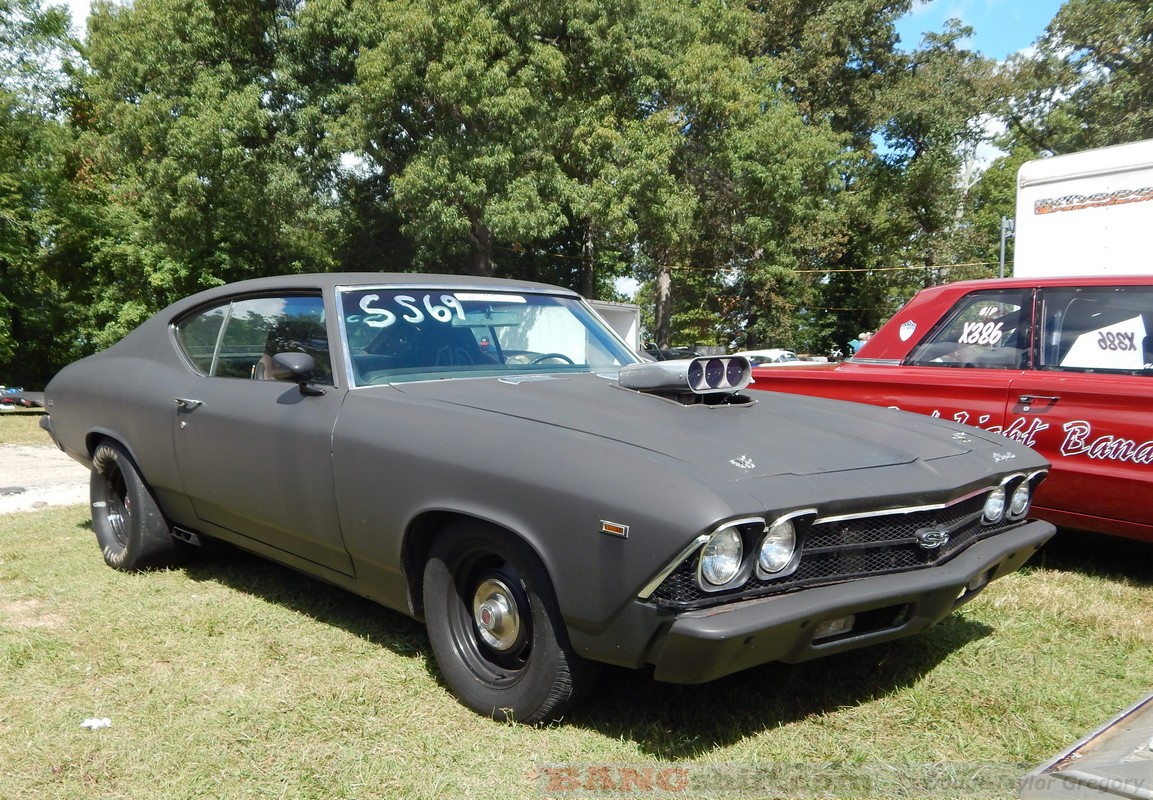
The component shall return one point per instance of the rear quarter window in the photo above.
(1097, 329)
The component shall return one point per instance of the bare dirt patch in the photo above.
(19, 614)
(37, 476)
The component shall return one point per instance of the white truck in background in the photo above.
(1087, 213)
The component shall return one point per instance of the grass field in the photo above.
(234, 678)
(22, 426)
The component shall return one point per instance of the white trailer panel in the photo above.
(1088, 213)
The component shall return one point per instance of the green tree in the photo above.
(835, 58)
(452, 106)
(991, 198)
(194, 140)
(34, 44)
(905, 194)
(1091, 82)
(765, 187)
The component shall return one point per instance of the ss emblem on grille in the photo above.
(931, 538)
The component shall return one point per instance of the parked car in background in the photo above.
(13, 397)
(778, 357)
(669, 353)
(1063, 365)
(489, 457)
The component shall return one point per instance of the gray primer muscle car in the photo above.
(489, 457)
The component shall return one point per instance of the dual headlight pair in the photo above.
(723, 556)
(1010, 500)
(722, 559)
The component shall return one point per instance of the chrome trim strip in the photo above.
(791, 515)
(652, 585)
(906, 510)
(883, 362)
(451, 283)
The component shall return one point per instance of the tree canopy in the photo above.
(777, 172)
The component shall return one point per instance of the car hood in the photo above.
(779, 434)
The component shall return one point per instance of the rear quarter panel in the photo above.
(126, 393)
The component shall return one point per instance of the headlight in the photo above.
(778, 546)
(721, 557)
(1019, 502)
(994, 506)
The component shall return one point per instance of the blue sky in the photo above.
(1000, 27)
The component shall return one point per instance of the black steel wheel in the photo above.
(495, 629)
(132, 533)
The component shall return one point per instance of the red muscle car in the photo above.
(1064, 365)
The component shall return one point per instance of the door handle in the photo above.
(187, 404)
(1029, 400)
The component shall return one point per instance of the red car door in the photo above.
(979, 400)
(1087, 405)
(963, 368)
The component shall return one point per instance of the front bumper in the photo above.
(705, 645)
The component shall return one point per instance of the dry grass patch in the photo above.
(232, 677)
(22, 426)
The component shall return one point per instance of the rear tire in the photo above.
(495, 629)
(132, 533)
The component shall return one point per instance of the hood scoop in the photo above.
(715, 380)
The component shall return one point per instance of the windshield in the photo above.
(424, 334)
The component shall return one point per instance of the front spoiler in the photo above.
(706, 645)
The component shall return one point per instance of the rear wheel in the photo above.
(495, 629)
(132, 533)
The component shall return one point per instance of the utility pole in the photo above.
(1007, 230)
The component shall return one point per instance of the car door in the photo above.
(1088, 403)
(963, 368)
(255, 454)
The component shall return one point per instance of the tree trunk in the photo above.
(664, 307)
(481, 261)
(587, 287)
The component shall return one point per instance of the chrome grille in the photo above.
(849, 548)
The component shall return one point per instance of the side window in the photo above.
(198, 335)
(1098, 329)
(239, 339)
(989, 330)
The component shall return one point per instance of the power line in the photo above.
(817, 271)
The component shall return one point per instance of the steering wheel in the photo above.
(546, 356)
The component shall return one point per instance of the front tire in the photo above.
(132, 533)
(495, 628)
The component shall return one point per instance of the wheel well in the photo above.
(96, 438)
(92, 441)
(419, 539)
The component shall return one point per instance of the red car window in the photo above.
(984, 329)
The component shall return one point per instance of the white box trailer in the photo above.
(624, 318)
(1088, 213)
